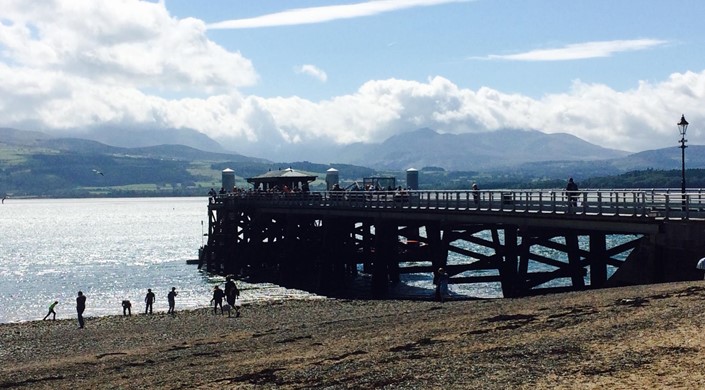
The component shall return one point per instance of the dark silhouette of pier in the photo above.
(526, 241)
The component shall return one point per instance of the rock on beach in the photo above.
(621, 338)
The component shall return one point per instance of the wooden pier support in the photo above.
(321, 249)
(385, 254)
(598, 260)
(510, 268)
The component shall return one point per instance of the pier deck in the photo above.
(315, 240)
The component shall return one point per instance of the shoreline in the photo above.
(626, 337)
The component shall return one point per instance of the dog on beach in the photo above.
(229, 309)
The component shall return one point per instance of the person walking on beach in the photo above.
(149, 301)
(231, 294)
(442, 285)
(80, 308)
(217, 300)
(51, 311)
(171, 297)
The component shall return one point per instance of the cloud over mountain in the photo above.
(76, 65)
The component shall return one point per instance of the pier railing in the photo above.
(653, 203)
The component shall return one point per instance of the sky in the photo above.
(266, 77)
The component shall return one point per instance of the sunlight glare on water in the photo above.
(111, 249)
(114, 249)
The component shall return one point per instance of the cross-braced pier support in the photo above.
(320, 250)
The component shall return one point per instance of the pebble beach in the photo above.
(639, 337)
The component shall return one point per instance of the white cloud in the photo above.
(637, 119)
(329, 13)
(84, 63)
(580, 51)
(312, 71)
(119, 42)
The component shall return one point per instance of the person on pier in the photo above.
(337, 192)
(149, 301)
(476, 193)
(51, 311)
(572, 193)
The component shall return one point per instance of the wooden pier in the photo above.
(526, 241)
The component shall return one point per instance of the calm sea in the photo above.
(114, 249)
(111, 249)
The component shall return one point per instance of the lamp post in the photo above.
(682, 128)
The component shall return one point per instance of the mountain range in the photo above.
(32, 159)
(417, 148)
(476, 151)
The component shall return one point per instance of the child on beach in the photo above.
(171, 297)
(51, 311)
(442, 279)
(126, 308)
(217, 300)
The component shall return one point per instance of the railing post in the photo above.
(667, 205)
(616, 202)
(599, 202)
(686, 203)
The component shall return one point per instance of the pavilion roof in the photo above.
(280, 175)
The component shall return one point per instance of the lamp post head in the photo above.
(682, 126)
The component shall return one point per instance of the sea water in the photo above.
(111, 250)
(115, 249)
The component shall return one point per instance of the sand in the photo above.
(623, 338)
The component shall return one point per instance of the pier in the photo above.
(526, 241)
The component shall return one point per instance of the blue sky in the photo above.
(468, 42)
(264, 77)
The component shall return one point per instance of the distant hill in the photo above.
(144, 137)
(20, 137)
(666, 158)
(659, 159)
(38, 139)
(174, 152)
(36, 164)
(476, 151)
